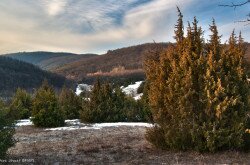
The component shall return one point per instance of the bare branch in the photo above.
(234, 5)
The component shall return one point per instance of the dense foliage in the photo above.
(198, 92)
(108, 104)
(70, 103)
(46, 111)
(6, 131)
(20, 107)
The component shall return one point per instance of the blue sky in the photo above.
(95, 26)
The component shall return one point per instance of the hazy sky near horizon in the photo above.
(95, 26)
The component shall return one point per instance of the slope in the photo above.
(14, 74)
(48, 60)
(127, 62)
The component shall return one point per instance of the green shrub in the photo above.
(144, 103)
(101, 106)
(69, 103)
(108, 104)
(46, 111)
(6, 131)
(21, 105)
(141, 87)
(156, 136)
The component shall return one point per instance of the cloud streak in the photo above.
(92, 26)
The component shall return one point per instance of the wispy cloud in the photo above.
(94, 25)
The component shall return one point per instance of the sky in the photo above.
(96, 26)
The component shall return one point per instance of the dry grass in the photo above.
(121, 145)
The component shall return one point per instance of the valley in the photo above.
(109, 82)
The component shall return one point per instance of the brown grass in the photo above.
(121, 145)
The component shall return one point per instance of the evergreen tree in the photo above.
(199, 95)
(45, 109)
(102, 106)
(6, 131)
(69, 103)
(144, 103)
(109, 104)
(21, 105)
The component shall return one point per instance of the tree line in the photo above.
(45, 108)
(105, 103)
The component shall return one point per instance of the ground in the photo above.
(105, 145)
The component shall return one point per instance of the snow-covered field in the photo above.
(77, 125)
(130, 90)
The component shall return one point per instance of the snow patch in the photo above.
(70, 128)
(138, 96)
(82, 126)
(73, 122)
(128, 124)
(131, 90)
(25, 122)
(77, 125)
(83, 88)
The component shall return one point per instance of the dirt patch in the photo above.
(109, 145)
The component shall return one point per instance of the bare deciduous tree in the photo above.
(239, 4)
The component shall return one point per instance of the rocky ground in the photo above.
(108, 145)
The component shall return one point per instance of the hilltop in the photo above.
(48, 60)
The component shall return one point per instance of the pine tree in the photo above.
(45, 109)
(21, 105)
(69, 103)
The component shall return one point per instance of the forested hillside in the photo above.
(107, 66)
(48, 60)
(130, 58)
(16, 74)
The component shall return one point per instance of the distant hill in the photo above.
(130, 58)
(86, 68)
(103, 66)
(48, 60)
(14, 74)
